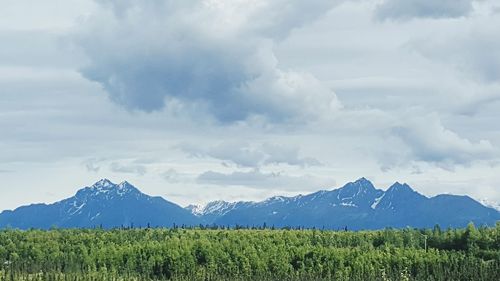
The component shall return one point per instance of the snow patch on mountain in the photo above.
(377, 201)
(76, 209)
(95, 216)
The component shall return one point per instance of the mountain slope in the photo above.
(357, 205)
(103, 204)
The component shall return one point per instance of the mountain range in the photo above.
(357, 205)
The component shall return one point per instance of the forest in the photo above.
(212, 253)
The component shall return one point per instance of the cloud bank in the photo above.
(204, 57)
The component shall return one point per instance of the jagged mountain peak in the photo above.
(107, 187)
(360, 184)
(363, 181)
(397, 186)
(217, 206)
(103, 183)
(398, 196)
(359, 188)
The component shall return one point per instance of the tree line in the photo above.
(208, 253)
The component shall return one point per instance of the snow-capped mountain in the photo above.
(215, 209)
(103, 204)
(356, 205)
(218, 207)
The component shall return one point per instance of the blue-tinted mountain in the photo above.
(103, 204)
(357, 205)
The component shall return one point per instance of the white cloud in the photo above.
(430, 141)
(475, 50)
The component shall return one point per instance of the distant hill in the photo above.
(357, 205)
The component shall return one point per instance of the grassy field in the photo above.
(250, 254)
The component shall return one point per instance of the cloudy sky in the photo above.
(243, 99)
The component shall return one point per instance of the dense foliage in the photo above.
(250, 254)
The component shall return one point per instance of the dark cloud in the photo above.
(213, 57)
(408, 9)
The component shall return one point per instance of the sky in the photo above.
(200, 100)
